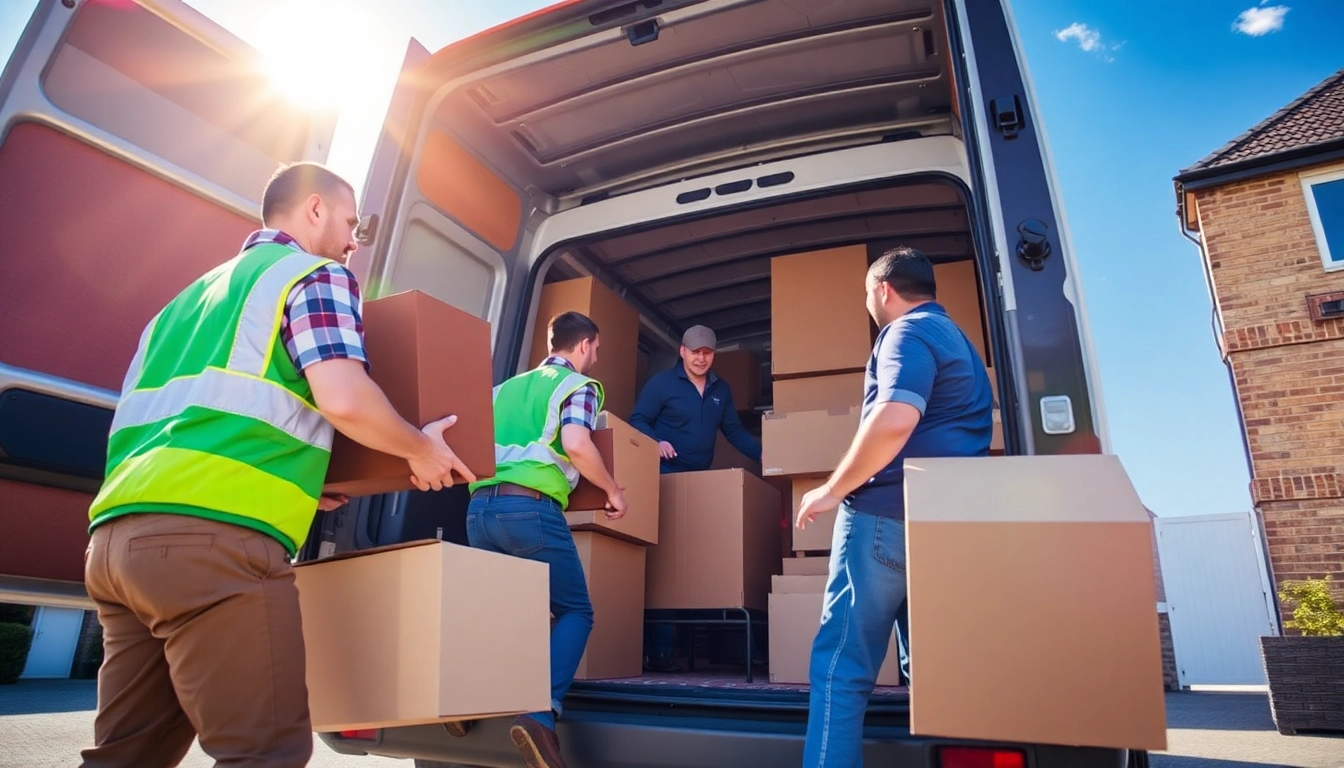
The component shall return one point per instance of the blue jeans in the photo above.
(536, 530)
(865, 599)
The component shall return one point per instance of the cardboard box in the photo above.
(614, 570)
(818, 393)
(718, 541)
(819, 323)
(393, 638)
(741, 370)
(618, 330)
(431, 360)
(794, 621)
(807, 442)
(806, 566)
(632, 458)
(818, 534)
(790, 584)
(959, 294)
(1013, 544)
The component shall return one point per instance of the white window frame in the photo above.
(1310, 180)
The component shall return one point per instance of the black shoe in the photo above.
(538, 744)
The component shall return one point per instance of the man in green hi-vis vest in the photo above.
(218, 450)
(544, 420)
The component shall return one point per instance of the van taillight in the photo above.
(366, 734)
(981, 757)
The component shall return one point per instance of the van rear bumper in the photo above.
(614, 740)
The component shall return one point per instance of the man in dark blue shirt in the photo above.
(683, 408)
(926, 394)
(686, 406)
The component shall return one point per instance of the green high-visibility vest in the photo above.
(528, 451)
(214, 419)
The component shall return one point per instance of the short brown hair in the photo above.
(569, 329)
(293, 183)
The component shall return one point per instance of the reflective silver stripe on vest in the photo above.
(539, 453)
(255, 336)
(230, 393)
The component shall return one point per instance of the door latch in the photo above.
(1007, 111)
(366, 230)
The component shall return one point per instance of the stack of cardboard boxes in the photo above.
(821, 337)
(613, 552)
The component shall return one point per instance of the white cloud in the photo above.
(1261, 21)
(1088, 39)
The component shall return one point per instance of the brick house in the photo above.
(1267, 211)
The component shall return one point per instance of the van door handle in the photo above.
(1033, 245)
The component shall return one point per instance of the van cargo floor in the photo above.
(714, 680)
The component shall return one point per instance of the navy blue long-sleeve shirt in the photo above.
(671, 408)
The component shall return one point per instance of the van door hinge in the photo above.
(1007, 111)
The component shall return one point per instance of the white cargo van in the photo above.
(669, 148)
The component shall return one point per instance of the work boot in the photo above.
(538, 744)
(458, 728)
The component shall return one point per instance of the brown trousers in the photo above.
(201, 636)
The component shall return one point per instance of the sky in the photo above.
(1128, 93)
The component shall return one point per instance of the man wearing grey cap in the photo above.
(686, 406)
(683, 408)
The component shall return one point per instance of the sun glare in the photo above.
(311, 57)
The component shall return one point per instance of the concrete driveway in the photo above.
(44, 724)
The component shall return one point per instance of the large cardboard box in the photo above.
(818, 393)
(818, 534)
(1033, 608)
(959, 294)
(614, 570)
(807, 442)
(794, 621)
(618, 330)
(818, 322)
(431, 360)
(423, 632)
(741, 370)
(718, 541)
(632, 458)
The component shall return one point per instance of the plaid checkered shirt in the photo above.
(581, 407)
(322, 313)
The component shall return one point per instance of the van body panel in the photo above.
(135, 140)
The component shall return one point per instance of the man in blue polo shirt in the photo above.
(926, 394)
(684, 408)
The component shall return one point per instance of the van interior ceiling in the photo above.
(621, 110)
(715, 271)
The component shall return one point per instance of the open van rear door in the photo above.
(1041, 289)
(135, 141)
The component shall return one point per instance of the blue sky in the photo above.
(1129, 93)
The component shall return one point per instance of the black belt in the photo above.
(508, 489)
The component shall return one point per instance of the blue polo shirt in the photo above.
(671, 408)
(923, 359)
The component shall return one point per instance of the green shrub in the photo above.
(1316, 613)
(14, 642)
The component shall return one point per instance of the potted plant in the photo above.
(1306, 671)
(15, 638)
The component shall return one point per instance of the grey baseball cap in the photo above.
(698, 337)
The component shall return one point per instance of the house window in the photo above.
(1325, 203)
